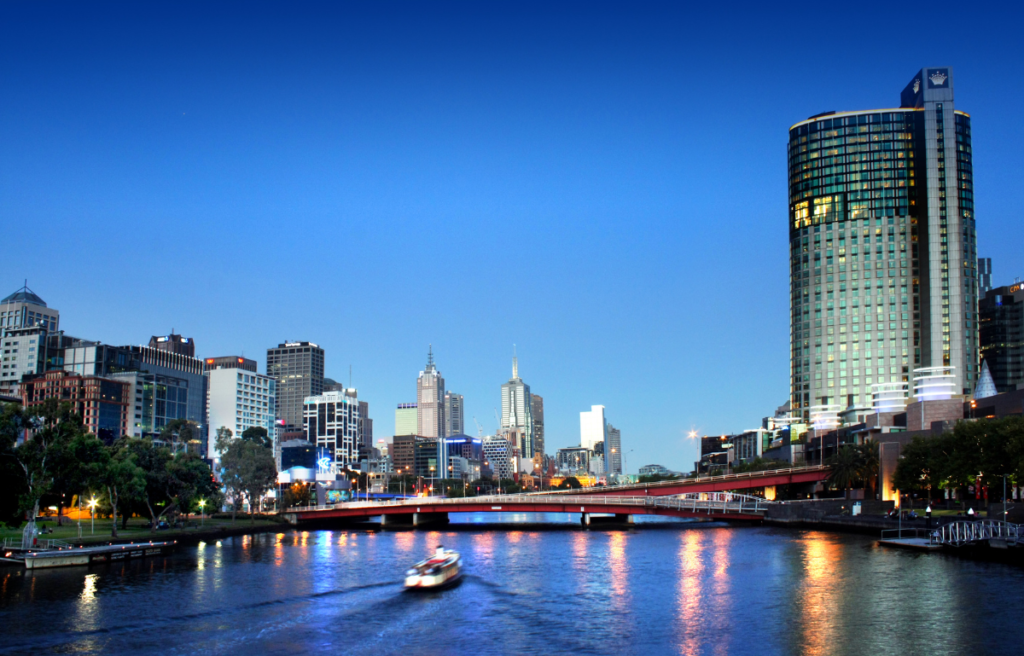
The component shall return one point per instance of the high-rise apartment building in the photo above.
(1002, 335)
(173, 344)
(517, 411)
(613, 450)
(537, 410)
(592, 427)
(332, 424)
(23, 354)
(454, 414)
(501, 457)
(298, 368)
(883, 264)
(406, 419)
(430, 419)
(238, 400)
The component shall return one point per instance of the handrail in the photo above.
(963, 532)
(709, 478)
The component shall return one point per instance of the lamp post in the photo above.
(202, 512)
(92, 514)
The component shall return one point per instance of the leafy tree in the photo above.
(259, 435)
(570, 483)
(194, 481)
(72, 471)
(179, 434)
(122, 478)
(846, 468)
(247, 468)
(297, 494)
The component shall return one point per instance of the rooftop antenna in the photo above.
(430, 355)
(350, 376)
(515, 363)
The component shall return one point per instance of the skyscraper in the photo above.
(1002, 335)
(613, 449)
(173, 344)
(298, 368)
(883, 267)
(430, 419)
(592, 427)
(984, 276)
(454, 414)
(537, 409)
(24, 309)
(406, 421)
(517, 411)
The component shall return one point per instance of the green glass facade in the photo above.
(881, 209)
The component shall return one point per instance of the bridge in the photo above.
(432, 510)
(723, 483)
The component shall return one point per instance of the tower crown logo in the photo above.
(938, 78)
(917, 85)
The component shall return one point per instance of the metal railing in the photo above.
(960, 533)
(705, 479)
(709, 502)
(16, 543)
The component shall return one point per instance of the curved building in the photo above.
(883, 264)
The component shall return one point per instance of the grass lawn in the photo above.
(136, 529)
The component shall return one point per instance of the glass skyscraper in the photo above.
(883, 258)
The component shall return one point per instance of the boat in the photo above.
(440, 570)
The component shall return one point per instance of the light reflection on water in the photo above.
(687, 590)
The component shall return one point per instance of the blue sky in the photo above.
(603, 185)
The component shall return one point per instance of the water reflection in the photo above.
(691, 593)
(818, 599)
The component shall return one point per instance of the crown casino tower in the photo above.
(883, 265)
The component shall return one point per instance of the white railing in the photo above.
(960, 533)
(15, 543)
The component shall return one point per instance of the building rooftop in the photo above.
(24, 295)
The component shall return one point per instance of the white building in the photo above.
(517, 412)
(23, 352)
(501, 457)
(331, 422)
(239, 399)
(593, 428)
(430, 420)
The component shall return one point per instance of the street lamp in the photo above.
(92, 514)
(202, 513)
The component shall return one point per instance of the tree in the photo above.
(179, 433)
(247, 468)
(570, 483)
(122, 478)
(846, 468)
(194, 481)
(71, 468)
(259, 435)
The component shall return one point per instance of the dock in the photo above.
(68, 556)
(921, 544)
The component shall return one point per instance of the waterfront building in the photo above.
(23, 354)
(984, 276)
(501, 457)
(1002, 335)
(749, 445)
(173, 344)
(331, 422)
(238, 400)
(298, 368)
(230, 362)
(613, 450)
(883, 259)
(102, 403)
(154, 400)
(454, 414)
(25, 309)
(517, 411)
(537, 410)
(406, 419)
(298, 453)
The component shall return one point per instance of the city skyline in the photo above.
(584, 151)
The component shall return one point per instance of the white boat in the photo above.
(438, 571)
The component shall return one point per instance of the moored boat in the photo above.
(440, 570)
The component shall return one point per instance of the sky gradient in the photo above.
(602, 185)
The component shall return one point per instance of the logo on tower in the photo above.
(917, 85)
(938, 78)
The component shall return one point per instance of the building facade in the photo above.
(173, 344)
(298, 368)
(430, 420)
(613, 450)
(984, 276)
(500, 457)
(230, 362)
(592, 427)
(23, 354)
(102, 403)
(517, 411)
(331, 421)
(24, 309)
(537, 410)
(403, 454)
(406, 419)
(239, 400)
(154, 401)
(454, 414)
(883, 259)
(1002, 335)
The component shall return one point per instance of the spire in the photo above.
(430, 355)
(515, 363)
(986, 387)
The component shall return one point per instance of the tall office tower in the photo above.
(882, 246)
(592, 427)
(454, 414)
(984, 275)
(537, 410)
(406, 421)
(230, 362)
(517, 411)
(430, 419)
(173, 344)
(298, 368)
(1002, 335)
(331, 421)
(238, 400)
(613, 449)
(365, 425)
(24, 309)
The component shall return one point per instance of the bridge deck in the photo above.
(724, 483)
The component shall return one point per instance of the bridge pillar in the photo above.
(396, 521)
(625, 519)
(429, 519)
(585, 519)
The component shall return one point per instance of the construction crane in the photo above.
(479, 428)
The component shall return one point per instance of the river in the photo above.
(663, 588)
